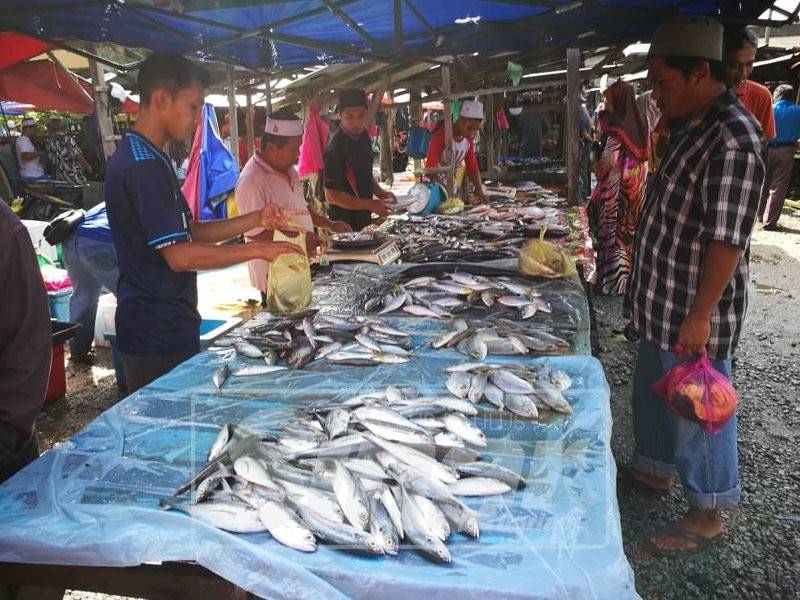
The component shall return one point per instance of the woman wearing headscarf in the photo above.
(617, 199)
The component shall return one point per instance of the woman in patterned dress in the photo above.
(617, 199)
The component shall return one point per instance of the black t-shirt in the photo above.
(348, 168)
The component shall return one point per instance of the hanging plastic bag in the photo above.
(289, 279)
(697, 392)
(418, 142)
(539, 258)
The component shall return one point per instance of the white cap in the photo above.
(29, 122)
(472, 109)
(284, 127)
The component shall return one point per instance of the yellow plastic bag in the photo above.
(289, 279)
(543, 259)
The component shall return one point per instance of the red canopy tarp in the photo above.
(15, 48)
(129, 107)
(45, 85)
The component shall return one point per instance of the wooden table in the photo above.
(168, 581)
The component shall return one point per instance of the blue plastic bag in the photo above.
(417, 142)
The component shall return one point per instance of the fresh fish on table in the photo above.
(235, 517)
(351, 496)
(257, 370)
(220, 375)
(478, 486)
(247, 349)
(419, 533)
(491, 470)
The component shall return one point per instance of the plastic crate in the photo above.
(59, 304)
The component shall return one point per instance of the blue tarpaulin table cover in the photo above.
(93, 500)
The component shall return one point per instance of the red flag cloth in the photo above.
(190, 188)
(15, 48)
(45, 85)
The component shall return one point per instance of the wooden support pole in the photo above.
(448, 130)
(377, 98)
(234, 122)
(416, 119)
(249, 126)
(571, 118)
(387, 146)
(489, 121)
(105, 127)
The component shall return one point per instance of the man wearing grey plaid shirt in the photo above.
(688, 291)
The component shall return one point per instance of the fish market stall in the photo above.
(545, 524)
(94, 500)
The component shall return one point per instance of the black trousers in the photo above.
(143, 370)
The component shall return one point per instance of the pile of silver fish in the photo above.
(368, 474)
(476, 234)
(457, 292)
(299, 340)
(501, 337)
(523, 391)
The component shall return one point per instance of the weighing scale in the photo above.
(385, 254)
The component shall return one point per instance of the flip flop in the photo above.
(626, 473)
(700, 542)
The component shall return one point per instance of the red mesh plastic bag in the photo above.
(696, 391)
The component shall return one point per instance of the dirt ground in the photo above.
(758, 557)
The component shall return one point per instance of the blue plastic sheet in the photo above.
(93, 500)
(204, 29)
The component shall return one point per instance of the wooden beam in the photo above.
(249, 125)
(448, 131)
(416, 118)
(377, 97)
(387, 147)
(234, 122)
(398, 26)
(490, 147)
(101, 108)
(571, 118)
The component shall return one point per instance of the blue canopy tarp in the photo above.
(303, 33)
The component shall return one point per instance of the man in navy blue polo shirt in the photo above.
(159, 247)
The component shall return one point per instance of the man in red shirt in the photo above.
(740, 55)
(467, 125)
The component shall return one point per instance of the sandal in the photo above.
(628, 473)
(700, 542)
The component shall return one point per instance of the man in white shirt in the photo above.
(30, 167)
(269, 178)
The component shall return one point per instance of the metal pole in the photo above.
(448, 129)
(268, 94)
(101, 108)
(234, 122)
(248, 124)
(572, 141)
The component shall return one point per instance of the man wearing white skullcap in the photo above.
(467, 125)
(270, 179)
(28, 157)
(687, 293)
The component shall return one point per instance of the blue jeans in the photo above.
(92, 265)
(666, 444)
